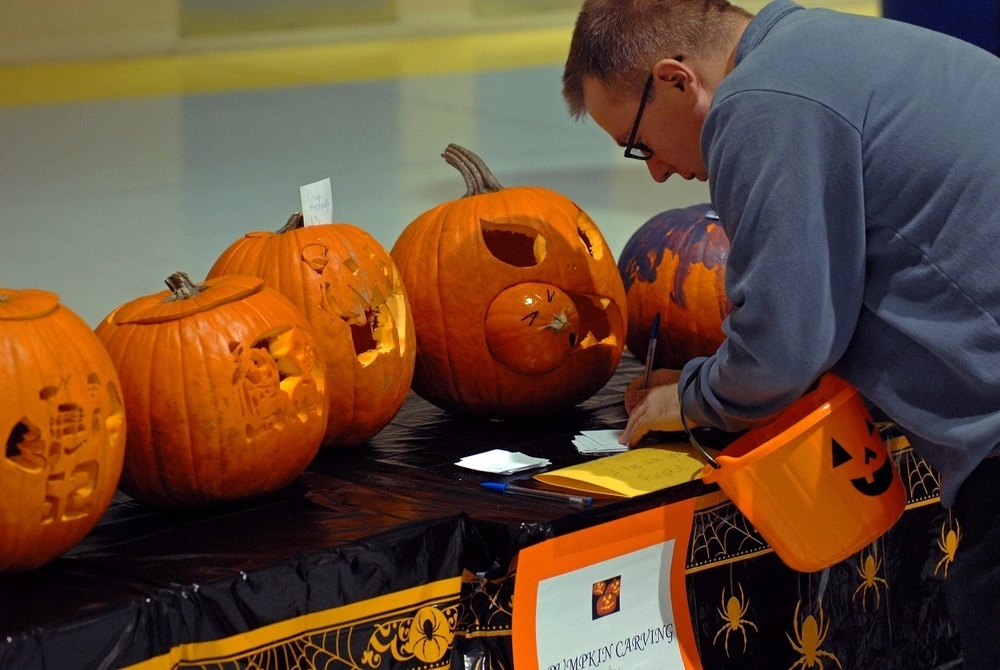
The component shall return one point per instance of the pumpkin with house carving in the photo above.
(223, 387)
(63, 422)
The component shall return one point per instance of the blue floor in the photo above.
(101, 201)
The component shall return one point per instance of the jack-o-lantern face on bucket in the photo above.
(871, 471)
(517, 301)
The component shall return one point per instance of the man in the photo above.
(855, 166)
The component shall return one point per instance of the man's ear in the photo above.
(673, 72)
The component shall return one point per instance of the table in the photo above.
(387, 555)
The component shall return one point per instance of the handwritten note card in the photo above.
(630, 473)
(317, 202)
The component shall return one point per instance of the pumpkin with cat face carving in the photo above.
(517, 302)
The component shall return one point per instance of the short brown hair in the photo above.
(618, 41)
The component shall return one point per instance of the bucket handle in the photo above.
(708, 457)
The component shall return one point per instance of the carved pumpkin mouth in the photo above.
(600, 320)
(376, 317)
(378, 329)
(377, 335)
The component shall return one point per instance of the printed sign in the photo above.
(608, 597)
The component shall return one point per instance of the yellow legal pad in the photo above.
(630, 473)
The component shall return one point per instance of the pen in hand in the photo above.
(512, 489)
(654, 335)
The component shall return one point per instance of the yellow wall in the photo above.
(36, 30)
(33, 31)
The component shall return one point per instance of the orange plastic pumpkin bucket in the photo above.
(817, 482)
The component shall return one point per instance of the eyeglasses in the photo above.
(633, 149)
(638, 150)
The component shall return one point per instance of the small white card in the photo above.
(592, 442)
(502, 462)
(317, 202)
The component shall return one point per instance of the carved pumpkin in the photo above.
(606, 603)
(517, 301)
(223, 387)
(675, 264)
(351, 293)
(63, 424)
(532, 327)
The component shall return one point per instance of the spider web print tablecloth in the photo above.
(882, 608)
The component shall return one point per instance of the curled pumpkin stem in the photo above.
(295, 221)
(181, 287)
(478, 178)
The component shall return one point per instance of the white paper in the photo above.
(501, 461)
(317, 202)
(599, 442)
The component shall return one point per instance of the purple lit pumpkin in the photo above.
(675, 264)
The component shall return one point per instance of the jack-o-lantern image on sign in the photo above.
(674, 265)
(63, 424)
(223, 387)
(818, 481)
(517, 301)
(351, 293)
(605, 598)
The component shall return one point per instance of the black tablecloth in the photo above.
(396, 513)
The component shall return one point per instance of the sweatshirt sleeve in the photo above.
(786, 181)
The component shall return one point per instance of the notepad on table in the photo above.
(630, 473)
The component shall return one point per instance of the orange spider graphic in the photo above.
(808, 640)
(948, 544)
(732, 613)
(868, 571)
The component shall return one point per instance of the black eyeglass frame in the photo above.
(638, 150)
(633, 149)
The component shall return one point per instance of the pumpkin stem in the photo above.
(295, 221)
(558, 324)
(182, 287)
(478, 178)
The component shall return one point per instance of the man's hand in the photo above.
(655, 408)
(634, 393)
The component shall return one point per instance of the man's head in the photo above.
(680, 48)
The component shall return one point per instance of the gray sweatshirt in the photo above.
(855, 166)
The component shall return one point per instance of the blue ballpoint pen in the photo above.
(537, 493)
(654, 334)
